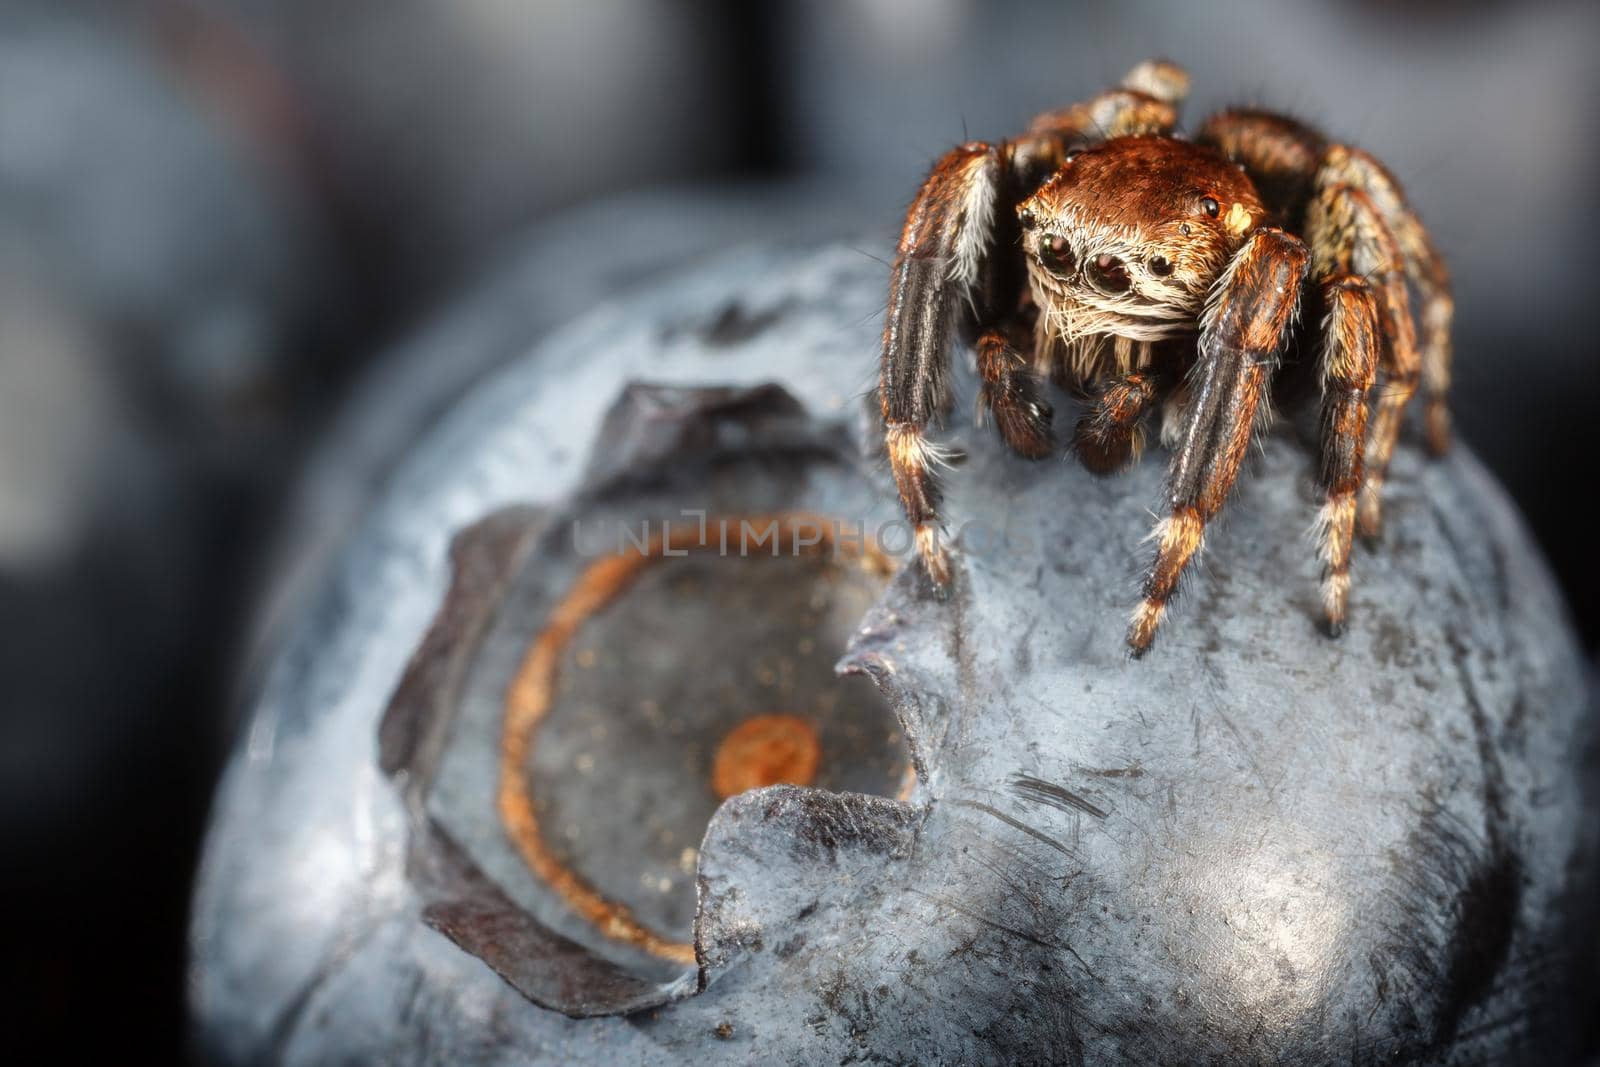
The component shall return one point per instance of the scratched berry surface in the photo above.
(1254, 845)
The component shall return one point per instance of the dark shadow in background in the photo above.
(214, 213)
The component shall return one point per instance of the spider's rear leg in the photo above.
(1282, 155)
(1146, 103)
(1241, 338)
(1351, 340)
(1348, 235)
(1160, 78)
(1292, 164)
(1013, 396)
(938, 274)
(1423, 266)
(1108, 436)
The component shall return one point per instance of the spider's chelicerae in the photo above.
(1141, 271)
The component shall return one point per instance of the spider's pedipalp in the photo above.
(1108, 436)
(1351, 340)
(1242, 335)
(1013, 396)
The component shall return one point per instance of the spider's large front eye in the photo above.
(1210, 206)
(1108, 274)
(1055, 254)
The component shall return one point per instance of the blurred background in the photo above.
(227, 225)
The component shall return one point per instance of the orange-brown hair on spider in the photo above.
(1145, 274)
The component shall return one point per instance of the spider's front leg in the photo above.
(943, 268)
(1241, 338)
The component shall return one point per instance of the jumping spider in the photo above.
(1163, 272)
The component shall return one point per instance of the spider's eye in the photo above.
(1055, 253)
(1026, 217)
(1108, 274)
(1210, 206)
(1160, 266)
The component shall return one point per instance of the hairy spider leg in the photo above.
(1295, 167)
(1242, 336)
(1281, 155)
(1348, 235)
(1351, 342)
(1426, 270)
(948, 233)
(1053, 135)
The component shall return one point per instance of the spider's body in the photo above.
(1144, 274)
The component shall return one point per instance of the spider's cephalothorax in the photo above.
(1144, 272)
